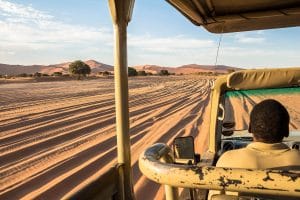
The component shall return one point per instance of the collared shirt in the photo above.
(259, 155)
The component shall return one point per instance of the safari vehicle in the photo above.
(180, 168)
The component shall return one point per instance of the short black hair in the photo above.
(269, 121)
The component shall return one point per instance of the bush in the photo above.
(57, 74)
(105, 73)
(45, 74)
(230, 71)
(142, 73)
(22, 75)
(164, 72)
(132, 71)
(37, 74)
(149, 74)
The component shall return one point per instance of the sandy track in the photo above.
(57, 136)
(239, 108)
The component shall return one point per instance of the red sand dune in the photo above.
(100, 67)
(50, 69)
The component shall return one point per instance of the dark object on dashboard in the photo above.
(296, 146)
(227, 132)
(228, 125)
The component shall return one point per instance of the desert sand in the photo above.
(57, 136)
(240, 105)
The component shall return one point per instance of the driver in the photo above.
(269, 124)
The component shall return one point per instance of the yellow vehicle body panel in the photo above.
(267, 182)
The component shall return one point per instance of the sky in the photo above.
(56, 31)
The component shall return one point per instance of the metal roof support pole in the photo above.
(121, 14)
(122, 110)
(171, 193)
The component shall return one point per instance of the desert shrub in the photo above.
(142, 73)
(37, 74)
(79, 68)
(22, 75)
(132, 71)
(8, 76)
(66, 75)
(164, 72)
(149, 74)
(45, 74)
(57, 74)
(230, 71)
(105, 73)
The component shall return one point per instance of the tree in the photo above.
(142, 73)
(79, 68)
(164, 72)
(132, 71)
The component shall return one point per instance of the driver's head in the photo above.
(269, 122)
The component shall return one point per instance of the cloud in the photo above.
(25, 26)
(170, 51)
(253, 57)
(24, 12)
(168, 44)
(250, 38)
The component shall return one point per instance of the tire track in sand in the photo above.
(62, 140)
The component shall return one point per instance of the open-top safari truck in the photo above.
(180, 168)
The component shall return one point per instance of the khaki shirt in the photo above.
(259, 155)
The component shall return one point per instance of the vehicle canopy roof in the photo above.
(264, 78)
(219, 16)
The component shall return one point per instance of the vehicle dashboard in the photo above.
(231, 143)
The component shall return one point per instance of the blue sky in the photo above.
(55, 31)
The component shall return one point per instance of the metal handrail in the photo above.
(267, 182)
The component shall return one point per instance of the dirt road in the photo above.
(56, 136)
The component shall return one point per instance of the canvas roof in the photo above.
(264, 78)
(219, 16)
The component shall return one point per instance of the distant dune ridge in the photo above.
(96, 67)
(186, 69)
(50, 69)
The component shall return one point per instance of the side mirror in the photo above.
(184, 152)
